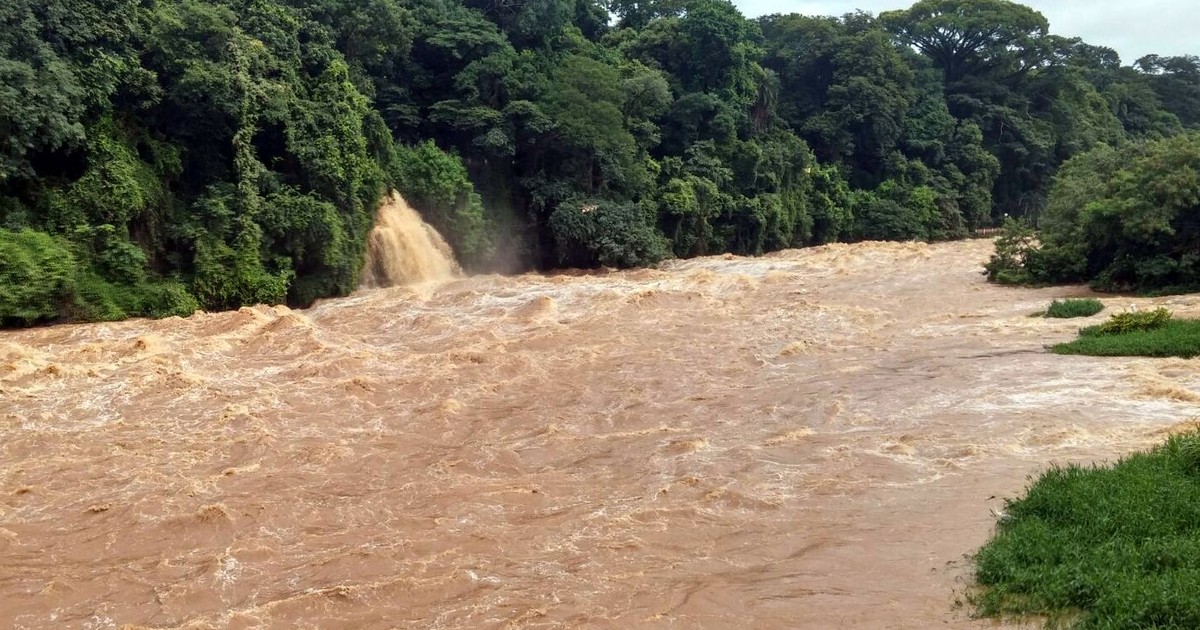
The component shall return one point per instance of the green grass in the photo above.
(1074, 308)
(1101, 547)
(1173, 338)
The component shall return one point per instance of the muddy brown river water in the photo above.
(813, 439)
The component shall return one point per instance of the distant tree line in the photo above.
(158, 156)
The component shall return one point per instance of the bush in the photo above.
(97, 300)
(167, 298)
(1170, 338)
(1102, 547)
(436, 184)
(883, 219)
(1124, 218)
(607, 233)
(37, 277)
(1067, 309)
(1134, 321)
(227, 277)
(110, 253)
(1013, 249)
(1118, 218)
(315, 235)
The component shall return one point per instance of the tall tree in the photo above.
(973, 37)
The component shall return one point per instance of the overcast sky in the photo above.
(1132, 27)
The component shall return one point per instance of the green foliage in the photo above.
(96, 299)
(1152, 334)
(236, 150)
(1134, 321)
(166, 298)
(227, 275)
(58, 59)
(1014, 247)
(1124, 218)
(894, 212)
(1142, 230)
(37, 277)
(1176, 82)
(882, 219)
(41, 280)
(688, 206)
(112, 255)
(589, 233)
(969, 36)
(830, 201)
(118, 186)
(1102, 547)
(437, 185)
(1067, 309)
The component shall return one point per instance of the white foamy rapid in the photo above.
(812, 439)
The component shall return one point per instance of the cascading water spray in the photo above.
(403, 249)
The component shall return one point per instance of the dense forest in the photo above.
(1122, 218)
(158, 156)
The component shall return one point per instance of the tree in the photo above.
(599, 232)
(637, 14)
(972, 37)
(37, 277)
(188, 153)
(1176, 81)
(1125, 218)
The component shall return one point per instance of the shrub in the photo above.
(167, 298)
(1134, 321)
(1123, 218)
(97, 300)
(37, 277)
(110, 253)
(436, 184)
(883, 219)
(315, 234)
(1171, 338)
(608, 233)
(1067, 309)
(228, 277)
(1013, 248)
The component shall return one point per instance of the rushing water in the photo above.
(813, 439)
(403, 249)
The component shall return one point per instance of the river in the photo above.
(811, 439)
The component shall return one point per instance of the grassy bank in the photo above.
(1172, 338)
(1102, 547)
